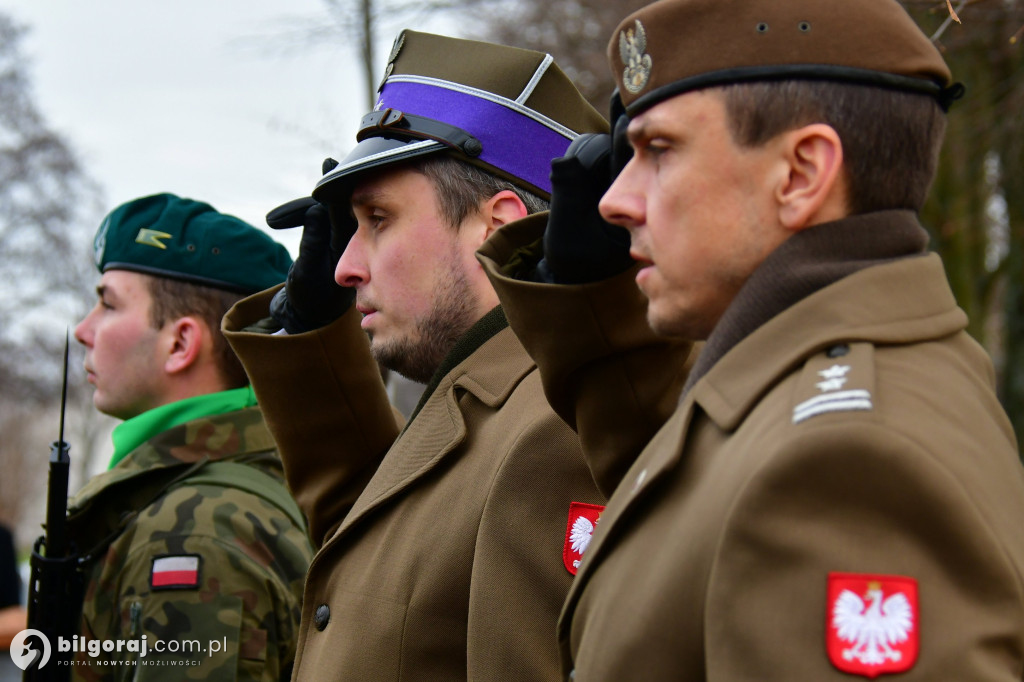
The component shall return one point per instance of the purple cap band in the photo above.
(512, 141)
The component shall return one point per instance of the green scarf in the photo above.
(133, 432)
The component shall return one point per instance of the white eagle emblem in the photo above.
(579, 537)
(579, 529)
(632, 44)
(873, 631)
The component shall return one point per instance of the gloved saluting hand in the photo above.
(579, 246)
(311, 298)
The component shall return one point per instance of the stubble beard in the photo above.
(418, 355)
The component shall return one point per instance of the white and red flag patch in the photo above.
(180, 572)
(873, 623)
(582, 521)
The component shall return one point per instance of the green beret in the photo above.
(167, 236)
(674, 46)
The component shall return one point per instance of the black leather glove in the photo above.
(311, 298)
(579, 246)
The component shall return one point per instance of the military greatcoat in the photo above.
(442, 546)
(157, 509)
(837, 495)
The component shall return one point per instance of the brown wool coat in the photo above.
(448, 565)
(711, 560)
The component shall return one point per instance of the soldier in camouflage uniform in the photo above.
(191, 537)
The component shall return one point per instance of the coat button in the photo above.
(838, 351)
(322, 616)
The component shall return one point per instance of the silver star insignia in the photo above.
(834, 372)
(830, 384)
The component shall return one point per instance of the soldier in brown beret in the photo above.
(838, 493)
(446, 548)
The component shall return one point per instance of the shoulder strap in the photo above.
(251, 480)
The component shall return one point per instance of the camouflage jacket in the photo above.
(214, 572)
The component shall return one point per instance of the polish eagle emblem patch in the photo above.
(583, 519)
(872, 623)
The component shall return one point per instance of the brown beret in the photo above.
(674, 46)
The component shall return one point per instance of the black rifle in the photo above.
(55, 589)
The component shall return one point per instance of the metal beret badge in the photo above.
(632, 46)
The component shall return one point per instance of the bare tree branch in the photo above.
(950, 19)
(49, 209)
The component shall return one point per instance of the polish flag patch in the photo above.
(179, 572)
(872, 623)
(580, 528)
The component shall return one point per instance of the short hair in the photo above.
(173, 299)
(462, 186)
(891, 139)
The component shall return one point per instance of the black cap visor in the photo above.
(370, 154)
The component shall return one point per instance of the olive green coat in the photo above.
(253, 557)
(712, 559)
(444, 563)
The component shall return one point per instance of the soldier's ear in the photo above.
(501, 209)
(185, 339)
(812, 189)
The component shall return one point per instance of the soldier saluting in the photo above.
(839, 491)
(445, 547)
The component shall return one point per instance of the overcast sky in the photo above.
(209, 99)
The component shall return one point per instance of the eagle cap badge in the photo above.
(632, 50)
(396, 47)
(583, 519)
(872, 623)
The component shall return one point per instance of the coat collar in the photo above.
(847, 311)
(490, 373)
(486, 327)
(809, 261)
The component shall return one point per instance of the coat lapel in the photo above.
(490, 374)
(437, 430)
(660, 456)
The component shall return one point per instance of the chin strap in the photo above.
(400, 124)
